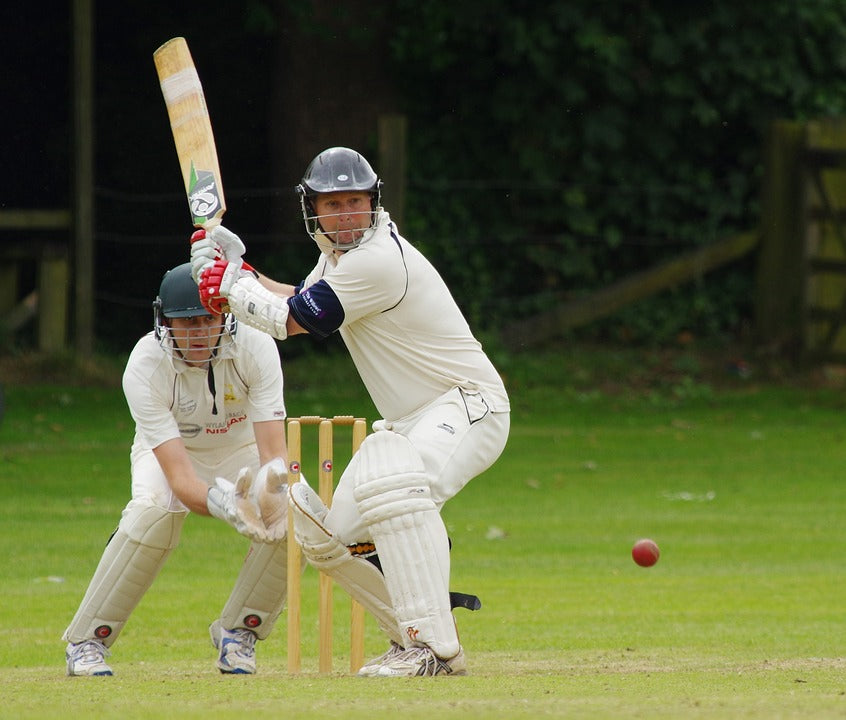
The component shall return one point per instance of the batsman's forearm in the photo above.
(283, 290)
(277, 288)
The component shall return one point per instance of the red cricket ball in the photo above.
(645, 552)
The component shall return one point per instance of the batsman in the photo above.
(443, 406)
(206, 395)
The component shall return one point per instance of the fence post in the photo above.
(8, 286)
(392, 130)
(779, 282)
(53, 283)
(824, 239)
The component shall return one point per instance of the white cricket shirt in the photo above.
(404, 331)
(169, 399)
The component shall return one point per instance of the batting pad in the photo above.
(356, 575)
(260, 590)
(393, 497)
(130, 563)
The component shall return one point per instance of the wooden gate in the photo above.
(823, 232)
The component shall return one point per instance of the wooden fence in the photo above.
(822, 211)
(48, 301)
(800, 284)
(535, 331)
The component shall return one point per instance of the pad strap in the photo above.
(456, 599)
(464, 600)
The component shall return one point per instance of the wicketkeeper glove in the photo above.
(231, 503)
(270, 493)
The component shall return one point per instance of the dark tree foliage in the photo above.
(554, 147)
(558, 146)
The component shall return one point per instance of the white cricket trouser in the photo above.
(451, 459)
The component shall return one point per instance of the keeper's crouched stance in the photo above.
(208, 408)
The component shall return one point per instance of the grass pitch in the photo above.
(742, 617)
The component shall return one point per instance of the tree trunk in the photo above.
(329, 87)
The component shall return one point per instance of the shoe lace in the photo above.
(90, 652)
(428, 663)
(393, 652)
(413, 655)
(244, 641)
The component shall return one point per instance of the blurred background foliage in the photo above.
(553, 147)
(560, 146)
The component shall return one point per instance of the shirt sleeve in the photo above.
(266, 384)
(368, 280)
(146, 391)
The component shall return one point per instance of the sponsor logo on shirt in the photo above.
(220, 428)
(312, 305)
(189, 431)
(187, 405)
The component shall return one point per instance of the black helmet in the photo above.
(179, 295)
(337, 169)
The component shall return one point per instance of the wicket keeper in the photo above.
(206, 394)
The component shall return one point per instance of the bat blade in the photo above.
(192, 132)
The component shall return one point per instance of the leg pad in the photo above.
(130, 563)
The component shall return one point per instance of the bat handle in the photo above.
(209, 224)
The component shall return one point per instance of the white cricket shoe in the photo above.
(237, 649)
(371, 668)
(87, 658)
(421, 662)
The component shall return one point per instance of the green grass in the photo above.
(743, 616)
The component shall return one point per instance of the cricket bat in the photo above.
(192, 132)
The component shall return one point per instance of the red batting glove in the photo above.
(217, 280)
(211, 280)
(198, 235)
